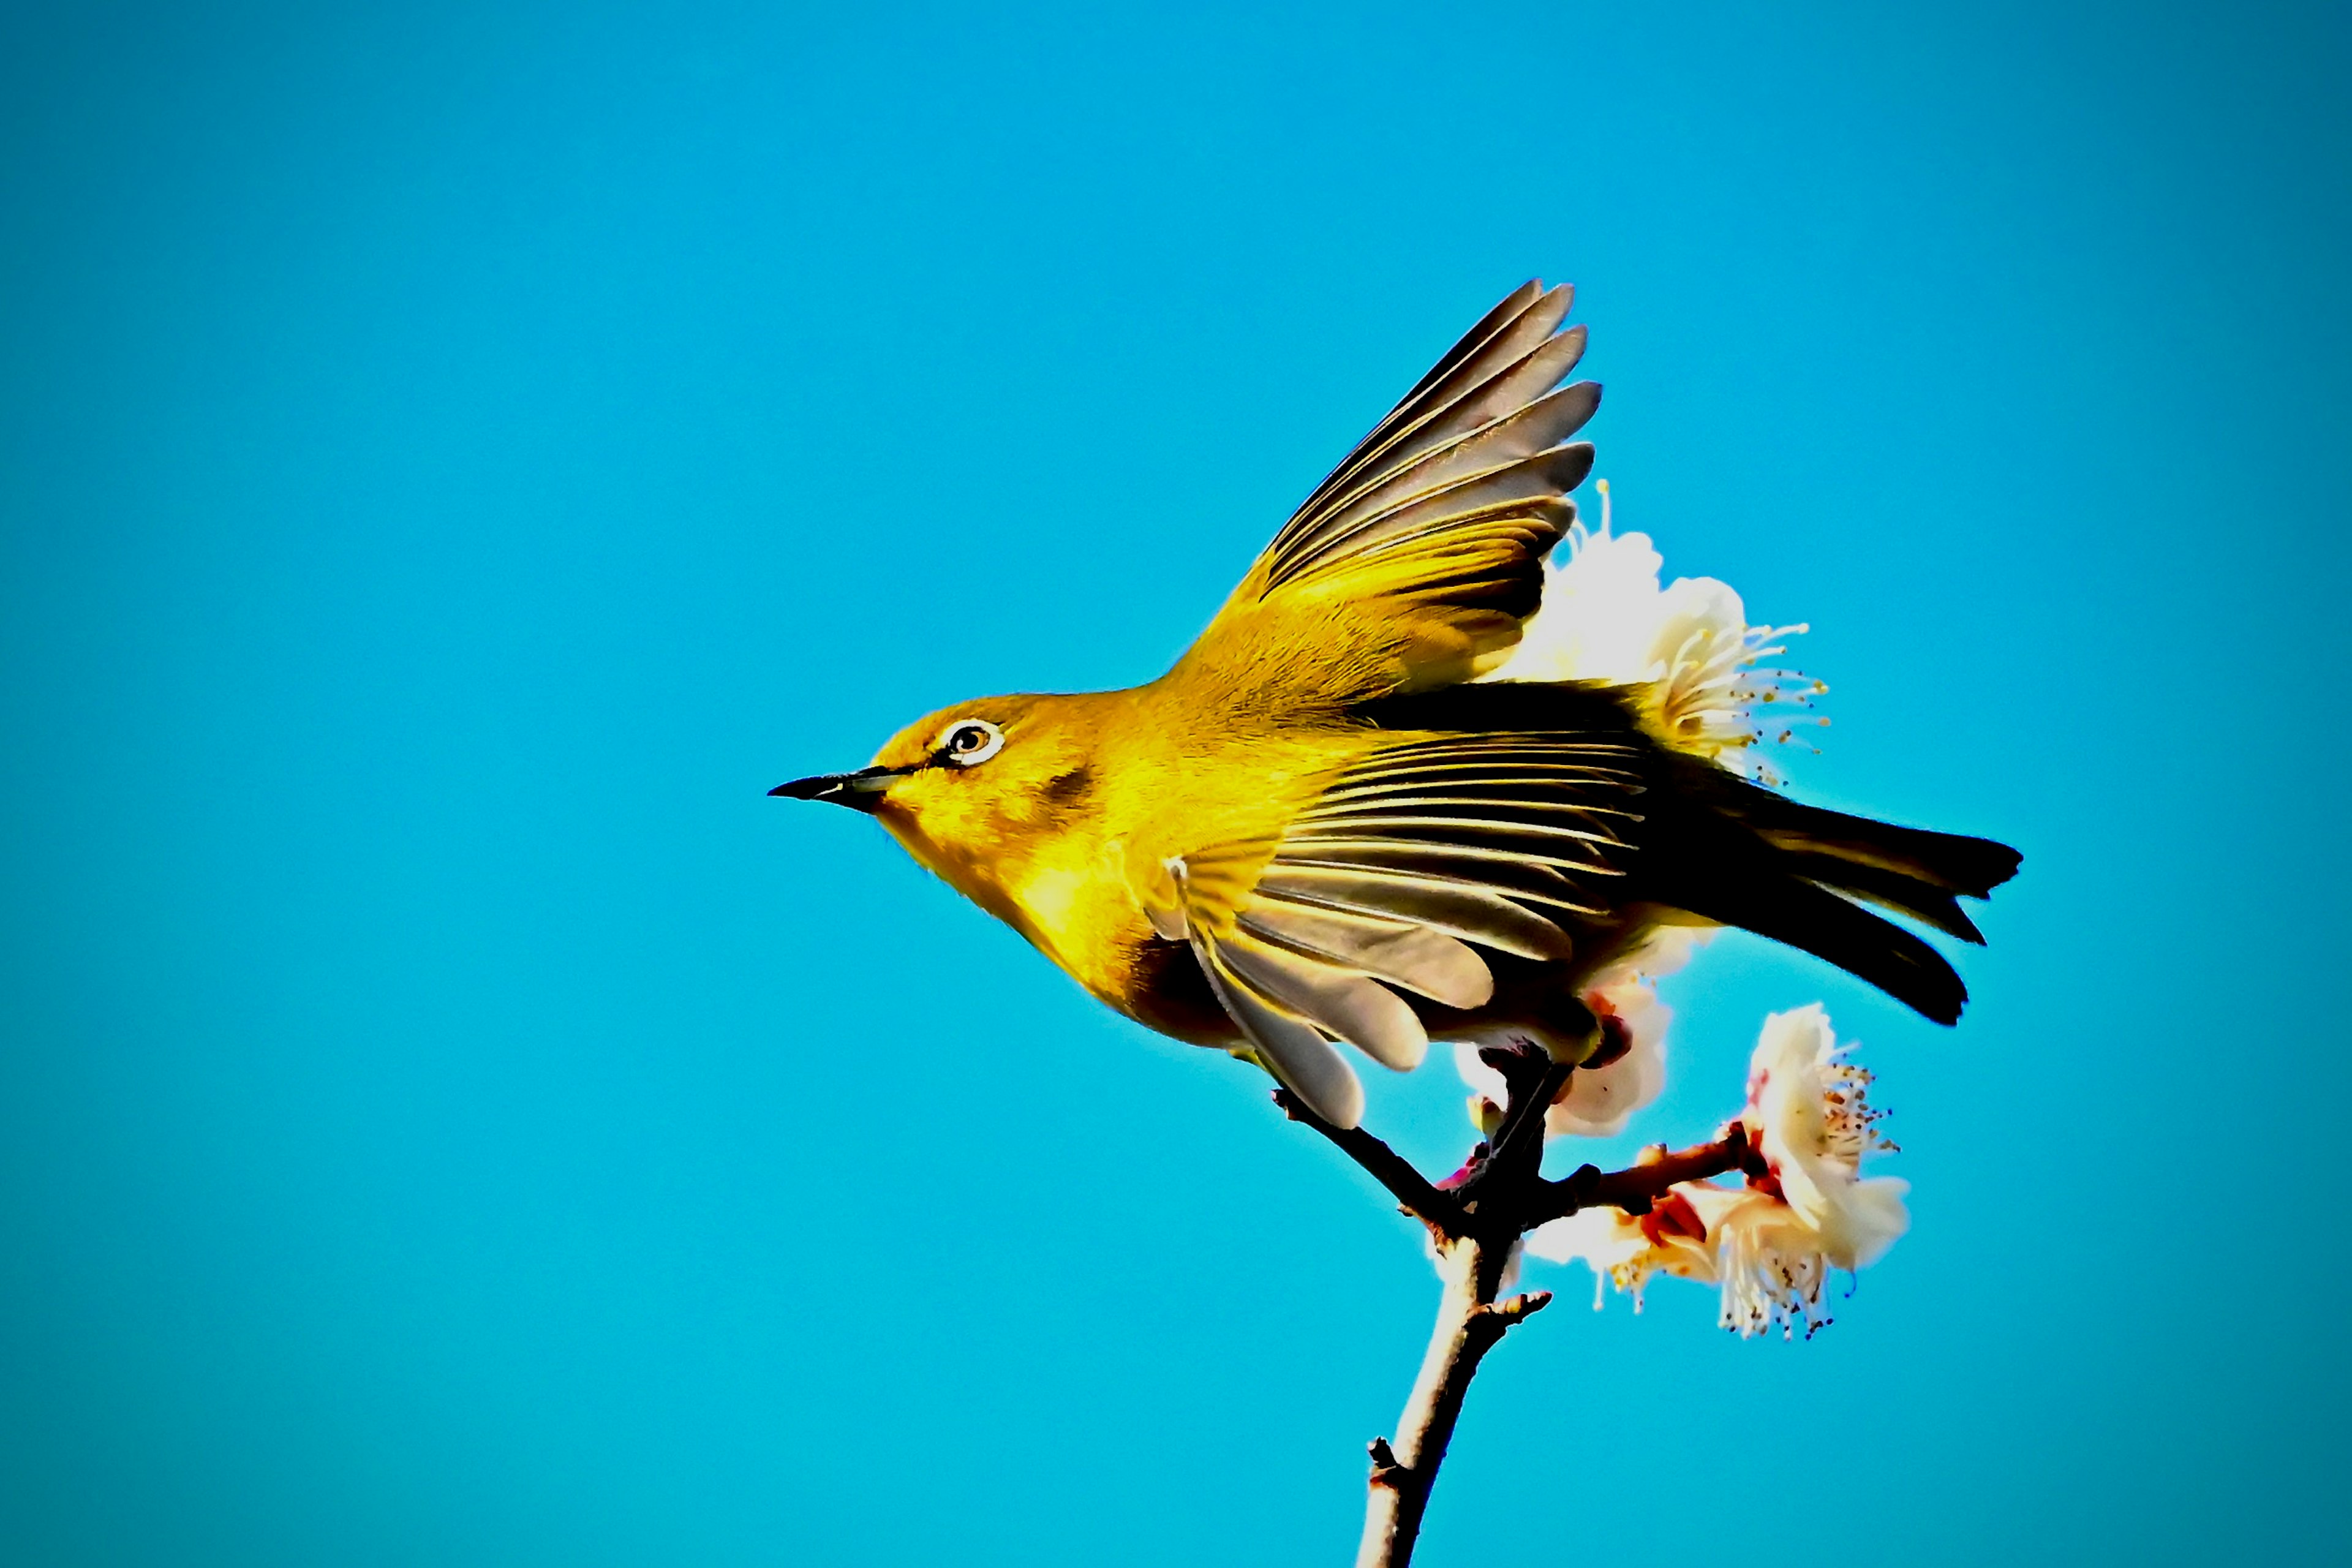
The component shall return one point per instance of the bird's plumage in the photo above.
(1320, 825)
(1419, 561)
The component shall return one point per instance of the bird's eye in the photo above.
(968, 743)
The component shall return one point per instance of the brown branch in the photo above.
(1414, 1192)
(1476, 1221)
(1636, 1189)
(1470, 1322)
(1474, 1254)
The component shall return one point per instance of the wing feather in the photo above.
(1467, 381)
(1522, 496)
(1417, 561)
(1470, 911)
(1418, 479)
(1460, 859)
(1425, 850)
(1294, 1050)
(1513, 305)
(1400, 952)
(1344, 1005)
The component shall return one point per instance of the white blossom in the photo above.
(1771, 1245)
(1677, 1236)
(1687, 647)
(1809, 1113)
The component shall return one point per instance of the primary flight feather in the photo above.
(1339, 818)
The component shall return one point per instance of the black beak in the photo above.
(860, 791)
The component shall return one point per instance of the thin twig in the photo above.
(1474, 1259)
(1441, 1212)
(1470, 1322)
(1636, 1189)
(1476, 1222)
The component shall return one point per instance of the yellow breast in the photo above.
(1072, 901)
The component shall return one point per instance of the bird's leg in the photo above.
(1534, 1081)
(1535, 1075)
(1509, 1163)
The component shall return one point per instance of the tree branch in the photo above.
(1474, 1254)
(1470, 1322)
(1636, 1189)
(1414, 1192)
(1476, 1221)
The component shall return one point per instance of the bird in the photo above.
(1337, 819)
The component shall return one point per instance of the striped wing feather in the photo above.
(1389, 882)
(1433, 529)
(1485, 396)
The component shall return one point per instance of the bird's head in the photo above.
(980, 791)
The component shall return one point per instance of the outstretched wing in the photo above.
(1388, 882)
(1416, 564)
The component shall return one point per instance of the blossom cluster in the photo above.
(1770, 1245)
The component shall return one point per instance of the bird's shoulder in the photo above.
(1214, 782)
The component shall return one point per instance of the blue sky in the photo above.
(452, 462)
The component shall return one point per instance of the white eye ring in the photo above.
(968, 743)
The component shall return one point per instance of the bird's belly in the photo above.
(1162, 988)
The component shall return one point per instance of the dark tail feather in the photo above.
(1947, 862)
(1888, 888)
(1908, 869)
(1782, 878)
(1791, 909)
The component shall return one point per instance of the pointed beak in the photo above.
(860, 791)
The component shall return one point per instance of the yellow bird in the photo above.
(1321, 826)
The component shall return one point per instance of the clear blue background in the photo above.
(453, 462)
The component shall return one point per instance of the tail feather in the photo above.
(1804, 915)
(1888, 887)
(1789, 872)
(1948, 862)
